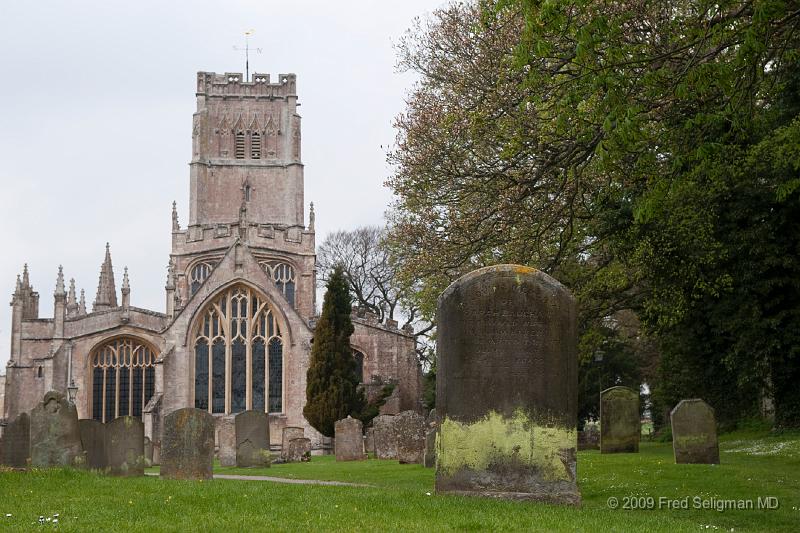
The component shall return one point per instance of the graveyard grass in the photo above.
(753, 464)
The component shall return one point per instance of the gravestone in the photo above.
(391, 405)
(252, 439)
(187, 444)
(55, 433)
(431, 425)
(589, 438)
(125, 446)
(694, 433)
(349, 437)
(156, 452)
(506, 386)
(289, 433)
(226, 441)
(298, 450)
(93, 440)
(369, 440)
(409, 429)
(385, 437)
(148, 452)
(620, 422)
(17, 442)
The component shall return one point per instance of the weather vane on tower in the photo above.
(246, 49)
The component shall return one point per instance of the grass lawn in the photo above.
(399, 500)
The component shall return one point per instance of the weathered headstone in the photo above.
(93, 440)
(369, 440)
(349, 436)
(252, 439)
(385, 437)
(391, 405)
(17, 442)
(409, 428)
(589, 438)
(55, 434)
(125, 446)
(620, 421)
(694, 433)
(506, 386)
(187, 444)
(298, 450)
(148, 451)
(289, 433)
(226, 441)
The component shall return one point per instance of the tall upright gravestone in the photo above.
(694, 433)
(226, 441)
(252, 439)
(17, 442)
(349, 439)
(506, 387)
(385, 437)
(187, 444)
(55, 433)
(125, 441)
(409, 429)
(620, 423)
(93, 440)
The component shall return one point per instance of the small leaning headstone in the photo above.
(298, 450)
(385, 437)
(93, 440)
(187, 444)
(620, 421)
(125, 446)
(17, 442)
(252, 439)
(507, 386)
(289, 433)
(694, 433)
(55, 434)
(349, 441)
(409, 429)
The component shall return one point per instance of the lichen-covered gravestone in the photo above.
(620, 423)
(409, 429)
(226, 441)
(298, 450)
(385, 437)
(349, 439)
(125, 445)
(17, 442)
(506, 386)
(187, 444)
(694, 433)
(55, 434)
(289, 433)
(252, 439)
(93, 440)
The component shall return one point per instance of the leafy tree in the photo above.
(332, 391)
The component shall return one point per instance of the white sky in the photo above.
(96, 103)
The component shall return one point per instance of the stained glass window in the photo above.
(234, 325)
(123, 378)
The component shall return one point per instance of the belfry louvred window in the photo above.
(123, 378)
(239, 147)
(255, 145)
(238, 349)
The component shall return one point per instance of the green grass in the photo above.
(752, 466)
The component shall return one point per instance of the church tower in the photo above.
(246, 148)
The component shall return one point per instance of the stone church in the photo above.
(237, 327)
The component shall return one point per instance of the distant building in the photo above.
(236, 331)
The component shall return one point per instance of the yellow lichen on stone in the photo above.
(496, 440)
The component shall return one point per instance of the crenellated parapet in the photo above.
(234, 85)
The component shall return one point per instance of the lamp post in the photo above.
(72, 392)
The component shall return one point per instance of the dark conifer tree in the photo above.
(332, 391)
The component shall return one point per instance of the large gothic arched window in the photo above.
(123, 378)
(238, 351)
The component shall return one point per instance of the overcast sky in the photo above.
(96, 103)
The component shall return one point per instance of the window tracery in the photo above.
(123, 378)
(283, 275)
